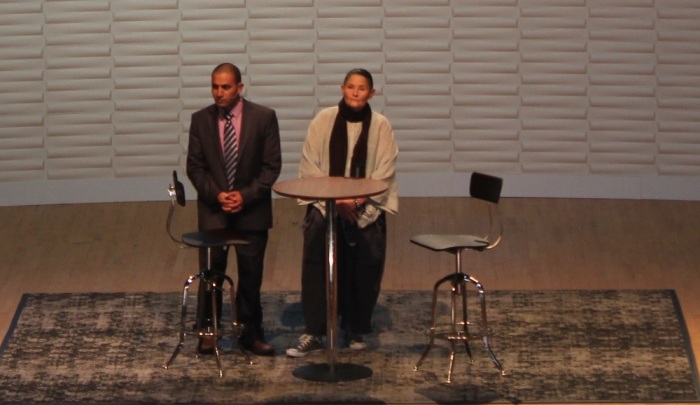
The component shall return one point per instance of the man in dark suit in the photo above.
(242, 203)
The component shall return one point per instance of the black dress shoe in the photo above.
(206, 345)
(258, 347)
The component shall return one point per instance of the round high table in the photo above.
(330, 189)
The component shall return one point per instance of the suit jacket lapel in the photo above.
(213, 129)
(247, 123)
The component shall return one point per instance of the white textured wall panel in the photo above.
(583, 98)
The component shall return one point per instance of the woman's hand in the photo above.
(350, 210)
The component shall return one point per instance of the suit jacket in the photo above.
(259, 165)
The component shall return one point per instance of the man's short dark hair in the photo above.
(230, 68)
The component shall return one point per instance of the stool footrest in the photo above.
(453, 335)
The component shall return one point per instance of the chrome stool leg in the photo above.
(213, 288)
(236, 327)
(433, 332)
(485, 337)
(183, 320)
(456, 286)
(465, 320)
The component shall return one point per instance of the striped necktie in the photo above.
(230, 150)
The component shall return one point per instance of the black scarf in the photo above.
(339, 141)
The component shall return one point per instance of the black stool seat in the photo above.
(439, 242)
(212, 238)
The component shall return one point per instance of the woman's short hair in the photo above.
(362, 72)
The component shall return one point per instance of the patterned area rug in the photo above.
(557, 346)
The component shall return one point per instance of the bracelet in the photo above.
(359, 207)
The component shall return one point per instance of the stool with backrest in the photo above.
(215, 282)
(485, 188)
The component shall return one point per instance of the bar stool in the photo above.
(215, 282)
(488, 189)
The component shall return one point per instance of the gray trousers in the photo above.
(361, 255)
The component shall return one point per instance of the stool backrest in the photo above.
(179, 190)
(177, 196)
(485, 187)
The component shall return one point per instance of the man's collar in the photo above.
(236, 110)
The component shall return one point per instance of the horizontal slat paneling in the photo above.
(98, 89)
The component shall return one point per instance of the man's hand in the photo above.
(231, 201)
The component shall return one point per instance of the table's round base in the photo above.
(322, 372)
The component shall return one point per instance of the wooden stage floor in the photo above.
(548, 244)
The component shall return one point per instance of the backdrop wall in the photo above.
(563, 98)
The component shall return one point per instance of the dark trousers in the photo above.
(360, 266)
(250, 259)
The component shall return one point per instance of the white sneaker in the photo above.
(357, 345)
(355, 341)
(307, 344)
